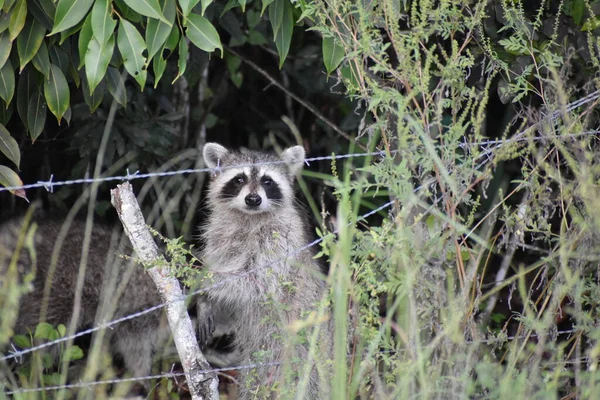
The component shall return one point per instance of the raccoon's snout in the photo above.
(253, 200)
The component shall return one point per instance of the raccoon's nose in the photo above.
(253, 200)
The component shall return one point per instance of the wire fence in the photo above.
(168, 375)
(488, 147)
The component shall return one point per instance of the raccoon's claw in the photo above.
(206, 323)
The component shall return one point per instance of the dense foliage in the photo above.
(480, 280)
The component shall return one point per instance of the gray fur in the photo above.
(112, 288)
(273, 291)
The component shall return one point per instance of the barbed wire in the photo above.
(86, 385)
(496, 143)
(49, 185)
(20, 353)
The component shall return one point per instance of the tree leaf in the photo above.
(95, 99)
(265, 4)
(36, 115)
(126, 12)
(149, 8)
(157, 31)
(159, 63)
(9, 178)
(56, 91)
(115, 81)
(187, 5)
(4, 21)
(17, 19)
(5, 47)
(132, 45)
(64, 35)
(183, 56)
(333, 54)
(103, 25)
(205, 4)
(6, 112)
(202, 33)
(69, 13)
(29, 41)
(7, 82)
(60, 58)
(9, 146)
(84, 40)
(41, 60)
(43, 13)
(97, 58)
(276, 15)
(283, 38)
(29, 81)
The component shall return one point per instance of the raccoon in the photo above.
(261, 282)
(112, 288)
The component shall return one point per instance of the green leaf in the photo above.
(43, 330)
(591, 24)
(69, 13)
(103, 25)
(7, 82)
(62, 330)
(97, 58)
(115, 81)
(205, 4)
(9, 178)
(132, 45)
(17, 19)
(149, 8)
(127, 12)
(202, 33)
(187, 5)
(84, 40)
(39, 12)
(283, 38)
(157, 31)
(73, 353)
(333, 54)
(56, 91)
(265, 4)
(29, 41)
(29, 81)
(4, 21)
(64, 35)
(95, 99)
(6, 112)
(276, 12)
(183, 56)
(5, 47)
(60, 58)
(243, 5)
(159, 62)
(41, 60)
(36, 115)
(22, 341)
(9, 146)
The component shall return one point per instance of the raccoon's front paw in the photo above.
(206, 323)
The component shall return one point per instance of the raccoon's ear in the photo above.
(213, 152)
(294, 158)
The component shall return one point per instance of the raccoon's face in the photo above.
(252, 189)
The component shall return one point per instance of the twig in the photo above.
(201, 384)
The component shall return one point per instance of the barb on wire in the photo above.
(105, 325)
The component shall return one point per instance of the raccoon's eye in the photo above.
(267, 181)
(239, 180)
